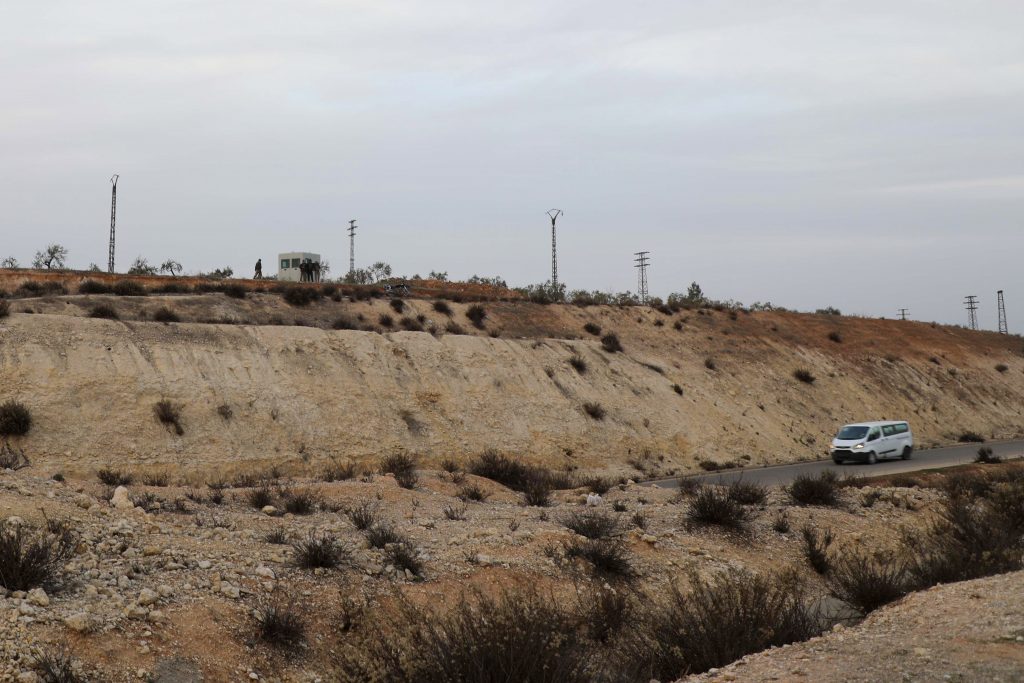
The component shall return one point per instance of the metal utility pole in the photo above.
(113, 220)
(1002, 312)
(642, 261)
(971, 302)
(352, 248)
(553, 214)
(903, 314)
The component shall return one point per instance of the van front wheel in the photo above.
(906, 453)
(871, 458)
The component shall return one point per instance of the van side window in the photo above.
(902, 428)
(888, 430)
(873, 434)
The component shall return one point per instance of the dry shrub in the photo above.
(867, 582)
(280, 624)
(15, 418)
(816, 548)
(808, 489)
(319, 551)
(592, 523)
(31, 557)
(169, 414)
(610, 343)
(711, 505)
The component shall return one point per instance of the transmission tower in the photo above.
(352, 248)
(642, 261)
(903, 314)
(553, 214)
(1002, 312)
(113, 219)
(971, 302)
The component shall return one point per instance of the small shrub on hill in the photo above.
(816, 548)
(578, 364)
(363, 516)
(397, 305)
(280, 625)
(169, 414)
(607, 556)
(93, 287)
(443, 308)
(128, 288)
(15, 418)
(476, 315)
(971, 437)
(319, 551)
(867, 582)
(592, 524)
(165, 315)
(987, 457)
(815, 490)
(836, 337)
(594, 410)
(32, 557)
(747, 492)
(1002, 367)
(104, 311)
(804, 376)
(114, 477)
(711, 505)
(593, 328)
(610, 343)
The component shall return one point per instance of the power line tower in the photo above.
(971, 302)
(113, 220)
(642, 261)
(352, 248)
(553, 214)
(1002, 312)
(903, 313)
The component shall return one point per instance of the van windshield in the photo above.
(852, 432)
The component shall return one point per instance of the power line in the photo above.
(971, 302)
(1001, 304)
(352, 248)
(553, 214)
(642, 261)
(113, 220)
(903, 313)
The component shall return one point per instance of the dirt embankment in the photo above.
(693, 386)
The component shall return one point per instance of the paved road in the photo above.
(922, 460)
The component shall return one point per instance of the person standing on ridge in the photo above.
(259, 270)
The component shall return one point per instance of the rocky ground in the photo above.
(166, 593)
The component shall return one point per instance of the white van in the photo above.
(870, 441)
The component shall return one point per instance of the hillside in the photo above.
(300, 392)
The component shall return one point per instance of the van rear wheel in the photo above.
(906, 452)
(871, 458)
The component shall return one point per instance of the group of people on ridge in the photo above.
(309, 271)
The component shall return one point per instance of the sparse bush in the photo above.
(31, 557)
(867, 582)
(93, 287)
(344, 323)
(537, 491)
(608, 556)
(500, 468)
(114, 477)
(386, 321)
(235, 291)
(404, 556)
(276, 537)
(382, 534)
(816, 548)
(836, 337)
(15, 418)
(711, 505)
(128, 288)
(971, 437)
(987, 457)
(678, 389)
(472, 492)
(747, 492)
(281, 625)
(476, 315)
(260, 497)
(594, 410)
(56, 665)
(709, 363)
(443, 308)
(104, 311)
(823, 489)
(599, 485)
(456, 512)
(639, 520)
(169, 414)
(297, 295)
(363, 516)
(302, 502)
(610, 343)
(411, 324)
(519, 635)
(165, 315)
(718, 621)
(319, 551)
(403, 467)
(157, 479)
(578, 364)
(781, 522)
(397, 305)
(804, 376)
(1002, 367)
(593, 328)
(452, 327)
(337, 471)
(619, 506)
(592, 524)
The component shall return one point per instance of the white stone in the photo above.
(37, 596)
(148, 597)
(120, 499)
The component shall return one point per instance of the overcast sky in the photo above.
(866, 155)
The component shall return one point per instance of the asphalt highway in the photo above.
(921, 460)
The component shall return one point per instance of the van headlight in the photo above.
(860, 445)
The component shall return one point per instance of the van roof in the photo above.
(877, 424)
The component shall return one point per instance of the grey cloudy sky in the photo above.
(867, 155)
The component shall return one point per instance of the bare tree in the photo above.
(9, 262)
(140, 266)
(171, 267)
(51, 258)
